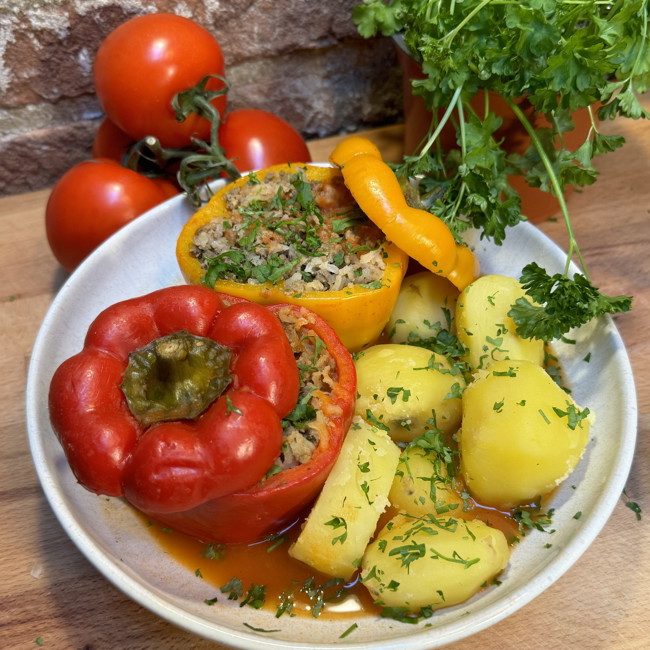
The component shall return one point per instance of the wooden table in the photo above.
(49, 592)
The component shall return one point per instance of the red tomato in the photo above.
(254, 139)
(143, 63)
(92, 201)
(111, 142)
(168, 187)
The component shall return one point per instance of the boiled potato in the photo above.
(422, 484)
(344, 517)
(425, 305)
(433, 562)
(484, 327)
(521, 434)
(408, 390)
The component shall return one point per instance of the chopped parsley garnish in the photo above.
(336, 523)
(372, 419)
(293, 219)
(444, 343)
(533, 518)
(349, 631)
(343, 223)
(286, 605)
(404, 615)
(233, 588)
(574, 415)
(231, 408)
(394, 392)
(365, 488)
(635, 508)
(259, 629)
(303, 412)
(320, 594)
(214, 551)
(255, 597)
(376, 284)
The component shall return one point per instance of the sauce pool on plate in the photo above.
(264, 575)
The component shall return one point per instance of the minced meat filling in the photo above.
(310, 236)
(318, 375)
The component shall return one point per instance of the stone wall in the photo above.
(300, 59)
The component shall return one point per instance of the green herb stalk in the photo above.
(558, 56)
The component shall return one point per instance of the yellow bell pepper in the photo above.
(358, 314)
(422, 235)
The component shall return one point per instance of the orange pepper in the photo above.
(422, 235)
(466, 270)
(353, 146)
(358, 314)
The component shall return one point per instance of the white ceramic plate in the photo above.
(139, 259)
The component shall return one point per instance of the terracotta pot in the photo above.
(536, 204)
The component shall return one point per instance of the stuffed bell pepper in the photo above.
(294, 234)
(217, 416)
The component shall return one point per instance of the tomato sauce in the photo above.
(287, 580)
(267, 563)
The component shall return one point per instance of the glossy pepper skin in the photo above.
(175, 466)
(270, 505)
(420, 234)
(356, 313)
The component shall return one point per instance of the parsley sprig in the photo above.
(559, 56)
(562, 303)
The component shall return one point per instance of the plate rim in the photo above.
(423, 638)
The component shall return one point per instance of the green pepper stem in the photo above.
(175, 377)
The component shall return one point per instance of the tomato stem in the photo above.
(199, 165)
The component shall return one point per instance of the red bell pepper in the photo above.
(269, 506)
(125, 433)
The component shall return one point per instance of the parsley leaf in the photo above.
(561, 303)
(338, 522)
(545, 59)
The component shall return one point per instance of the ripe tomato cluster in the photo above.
(140, 70)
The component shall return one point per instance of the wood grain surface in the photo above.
(51, 596)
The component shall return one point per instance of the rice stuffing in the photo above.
(284, 229)
(318, 375)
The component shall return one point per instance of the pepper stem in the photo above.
(175, 377)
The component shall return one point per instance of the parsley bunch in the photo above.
(558, 56)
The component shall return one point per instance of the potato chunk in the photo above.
(425, 305)
(408, 390)
(484, 327)
(433, 562)
(521, 434)
(344, 517)
(422, 483)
